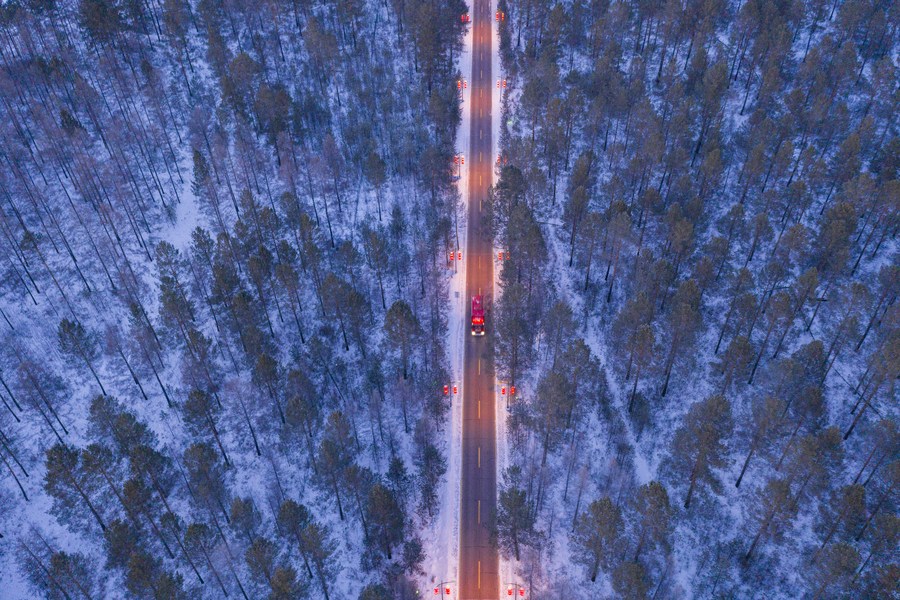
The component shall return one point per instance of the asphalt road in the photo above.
(478, 560)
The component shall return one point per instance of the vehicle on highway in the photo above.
(477, 315)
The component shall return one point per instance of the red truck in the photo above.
(477, 316)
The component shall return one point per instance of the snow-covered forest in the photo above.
(699, 309)
(224, 295)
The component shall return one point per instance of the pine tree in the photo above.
(401, 328)
(842, 515)
(834, 570)
(386, 519)
(201, 173)
(597, 536)
(375, 591)
(302, 410)
(430, 469)
(285, 585)
(198, 545)
(736, 361)
(245, 518)
(766, 417)
(630, 581)
(683, 323)
(876, 569)
(321, 549)
(640, 349)
(515, 518)
(335, 455)
(201, 414)
(812, 461)
(260, 558)
(71, 488)
(121, 541)
(776, 509)
(206, 477)
(376, 173)
(292, 519)
(75, 341)
(699, 444)
(653, 518)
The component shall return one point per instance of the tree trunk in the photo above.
(862, 411)
(762, 529)
(762, 350)
(87, 501)
(687, 501)
(337, 496)
(737, 483)
(875, 510)
(637, 375)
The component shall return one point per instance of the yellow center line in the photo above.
(479, 574)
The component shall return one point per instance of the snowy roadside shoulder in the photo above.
(442, 541)
(507, 568)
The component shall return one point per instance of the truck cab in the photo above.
(477, 315)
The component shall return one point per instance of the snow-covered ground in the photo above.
(621, 450)
(29, 330)
(508, 568)
(442, 542)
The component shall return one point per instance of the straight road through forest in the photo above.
(478, 560)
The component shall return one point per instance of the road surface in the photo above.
(478, 560)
